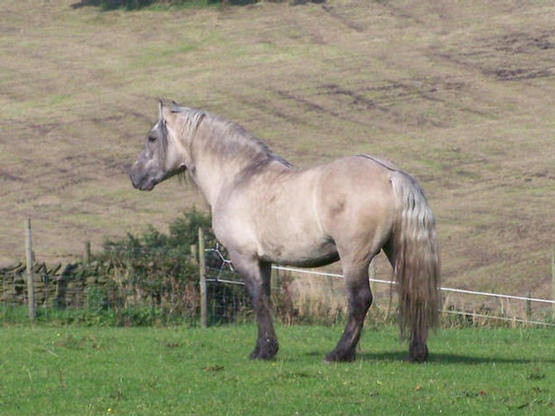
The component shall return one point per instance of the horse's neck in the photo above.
(213, 172)
(220, 152)
(210, 178)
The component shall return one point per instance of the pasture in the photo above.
(459, 94)
(191, 371)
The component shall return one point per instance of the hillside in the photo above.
(460, 94)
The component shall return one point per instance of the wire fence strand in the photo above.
(501, 318)
(445, 289)
(226, 264)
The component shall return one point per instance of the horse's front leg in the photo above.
(256, 275)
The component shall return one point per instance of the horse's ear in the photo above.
(160, 110)
(176, 108)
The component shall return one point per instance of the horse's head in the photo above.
(160, 158)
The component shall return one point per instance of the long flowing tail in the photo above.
(415, 264)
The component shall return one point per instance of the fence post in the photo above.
(29, 258)
(203, 299)
(529, 306)
(4, 291)
(87, 255)
(553, 283)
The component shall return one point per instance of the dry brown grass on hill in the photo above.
(459, 94)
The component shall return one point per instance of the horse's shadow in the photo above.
(441, 358)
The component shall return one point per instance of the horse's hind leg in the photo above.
(256, 275)
(418, 350)
(360, 298)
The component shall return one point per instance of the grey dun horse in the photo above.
(265, 211)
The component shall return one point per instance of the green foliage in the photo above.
(152, 244)
(155, 277)
(139, 280)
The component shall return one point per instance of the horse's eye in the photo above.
(151, 138)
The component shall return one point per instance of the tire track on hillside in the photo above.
(351, 24)
(509, 57)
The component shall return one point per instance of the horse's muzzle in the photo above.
(142, 185)
(133, 181)
(141, 181)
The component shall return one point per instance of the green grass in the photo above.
(190, 371)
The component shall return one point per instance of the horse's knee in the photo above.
(365, 301)
(368, 298)
(360, 300)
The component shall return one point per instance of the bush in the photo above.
(149, 279)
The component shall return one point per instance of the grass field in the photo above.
(180, 371)
(461, 94)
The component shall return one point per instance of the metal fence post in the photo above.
(203, 297)
(29, 258)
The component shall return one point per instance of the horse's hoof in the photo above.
(417, 358)
(262, 355)
(254, 355)
(265, 352)
(336, 356)
(418, 353)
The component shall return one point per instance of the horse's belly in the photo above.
(300, 253)
(317, 261)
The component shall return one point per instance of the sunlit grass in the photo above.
(169, 371)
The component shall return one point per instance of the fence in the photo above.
(103, 291)
(77, 294)
(497, 308)
(220, 297)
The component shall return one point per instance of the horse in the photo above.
(265, 211)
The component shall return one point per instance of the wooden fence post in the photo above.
(203, 298)
(5, 291)
(553, 283)
(29, 271)
(87, 255)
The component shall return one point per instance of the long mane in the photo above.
(224, 137)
